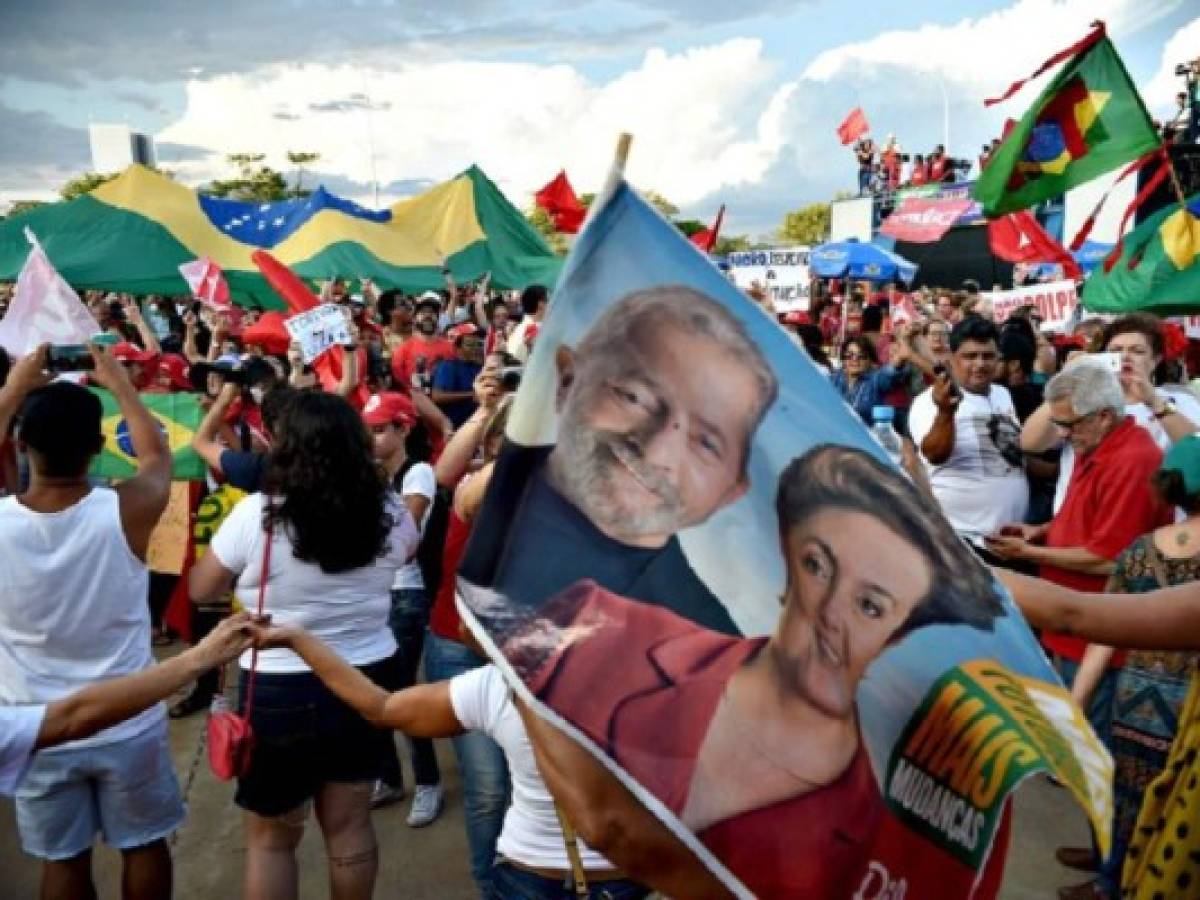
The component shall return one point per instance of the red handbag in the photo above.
(230, 737)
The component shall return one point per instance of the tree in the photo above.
(807, 225)
(544, 225)
(661, 203)
(20, 207)
(735, 243)
(256, 183)
(85, 184)
(300, 159)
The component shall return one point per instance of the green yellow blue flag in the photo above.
(1158, 270)
(178, 415)
(1089, 120)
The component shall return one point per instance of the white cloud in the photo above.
(1161, 89)
(693, 115)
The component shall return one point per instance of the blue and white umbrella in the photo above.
(854, 259)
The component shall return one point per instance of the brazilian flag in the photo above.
(1158, 270)
(1088, 121)
(178, 416)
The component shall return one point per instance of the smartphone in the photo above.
(1111, 360)
(69, 358)
(940, 370)
(105, 339)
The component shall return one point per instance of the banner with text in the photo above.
(782, 272)
(1056, 301)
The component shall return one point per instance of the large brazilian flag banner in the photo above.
(738, 625)
(178, 415)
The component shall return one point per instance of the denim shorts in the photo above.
(127, 791)
(304, 736)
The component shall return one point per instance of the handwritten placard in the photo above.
(319, 329)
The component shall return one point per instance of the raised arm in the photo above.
(938, 444)
(204, 441)
(144, 496)
(27, 374)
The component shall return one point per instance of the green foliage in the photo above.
(544, 225)
(689, 226)
(84, 184)
(255, 182)
(300, 159)
(735, 243)
(659, 202)
(20, 207)
(807, 225)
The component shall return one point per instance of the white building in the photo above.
(115, 147)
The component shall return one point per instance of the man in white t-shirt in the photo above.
(535, 302)
(39, 726)
(532, 856)
(968, 433)
(73, 589)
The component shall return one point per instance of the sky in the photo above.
(733, 103)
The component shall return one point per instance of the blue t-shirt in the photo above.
(456, 375)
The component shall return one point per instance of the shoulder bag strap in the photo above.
(262, 593)
(578, 876)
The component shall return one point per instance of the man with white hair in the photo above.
(1108, 504)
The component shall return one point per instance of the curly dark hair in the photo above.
(330, 494)
(830, 475)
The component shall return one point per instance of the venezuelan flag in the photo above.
(1089, 120)
(1159, 267)
(132, 233)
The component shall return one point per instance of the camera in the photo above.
(904, 157)
(963, 165)
(510, 377)
(69, 358)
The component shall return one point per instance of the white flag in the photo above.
(45, 308)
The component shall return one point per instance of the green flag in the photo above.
(178, 415)
(1165, 277)
(1088, 121)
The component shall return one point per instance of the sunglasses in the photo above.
(853, 356)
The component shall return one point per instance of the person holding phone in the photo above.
(966, 428)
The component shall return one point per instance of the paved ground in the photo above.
(430, 863)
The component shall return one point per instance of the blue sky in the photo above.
(732, 103)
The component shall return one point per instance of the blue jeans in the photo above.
(511, 883)
(408, 617)
(1100, 715)
(481, 761)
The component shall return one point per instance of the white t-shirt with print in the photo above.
(531, 834)
(978, 489)
(348, 611)
(419, 480)
(1186, 405)
(19, 726)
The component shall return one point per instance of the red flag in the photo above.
(903, 311)
(921, 220)
(1019, 238)
(706, 238)
(854, 127)
(559, 200)
(295, 293)
(207, 282)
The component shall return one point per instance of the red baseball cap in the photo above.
(131, 353)
(389, 408)
(175, 369)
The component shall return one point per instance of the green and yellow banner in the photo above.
(178, 415)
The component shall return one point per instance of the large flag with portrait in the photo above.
(695, 562)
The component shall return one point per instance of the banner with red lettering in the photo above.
(1056, 301)
(920, 220)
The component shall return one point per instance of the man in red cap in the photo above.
(170, 376)
(390, 417)
(142, 365)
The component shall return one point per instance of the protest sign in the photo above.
(1056, 301)
(668, 568)
(318, 329)
(167, 550)
(783, 273)
(45, 309)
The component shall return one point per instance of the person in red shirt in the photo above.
(414, 360)
(1109, 503)
(919, 174)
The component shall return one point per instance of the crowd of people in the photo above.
(887, 168)
(1069, 463)
(1072, 458)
